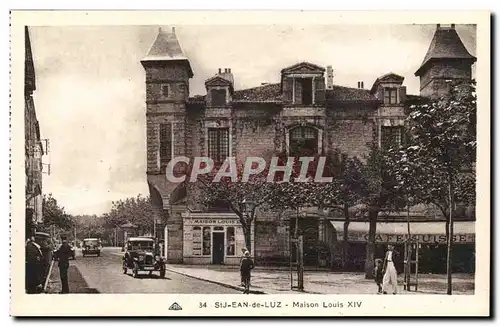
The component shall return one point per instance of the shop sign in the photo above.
(212, 221)
(401, 238)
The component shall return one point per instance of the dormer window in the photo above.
(218, 97)
(390, 95)
(303, 84)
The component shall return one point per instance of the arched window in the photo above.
(303, 141)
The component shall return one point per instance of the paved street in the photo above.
(104, 275)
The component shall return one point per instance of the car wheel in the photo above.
(135, 270)
(162, 273)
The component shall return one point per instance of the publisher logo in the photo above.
(175, 306)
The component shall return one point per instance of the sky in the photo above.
(90, 96)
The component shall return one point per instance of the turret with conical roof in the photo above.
(446, 59)
(167, 90)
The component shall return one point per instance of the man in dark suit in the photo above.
(62, 255)
(390, 281)
(34, 258)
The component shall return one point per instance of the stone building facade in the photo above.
(259, 121)
(33, 145)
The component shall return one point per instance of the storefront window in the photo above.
(196, 241)
(206, 240)
(231, 243)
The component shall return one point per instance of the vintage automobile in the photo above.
(91, 246)
(141, 255)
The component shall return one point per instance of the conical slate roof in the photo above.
(446, 44)
(166, 47)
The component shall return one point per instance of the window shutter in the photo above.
(287, 90)
(320, 91)
(380, 94)
(402, 94)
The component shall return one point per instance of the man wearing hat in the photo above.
(62, 255)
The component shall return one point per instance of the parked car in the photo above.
(141, 255)
(91, 246)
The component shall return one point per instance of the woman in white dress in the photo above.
(390, 281)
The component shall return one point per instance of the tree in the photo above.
(261, 190)
(54, 215)
(436, 165)
(243, 198)
(378, 192)
(343, 192)
(136, 210)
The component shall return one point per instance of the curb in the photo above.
(215, 282)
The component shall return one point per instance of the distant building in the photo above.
(301, 110)
(33, 145)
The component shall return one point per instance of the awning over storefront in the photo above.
(397, 232)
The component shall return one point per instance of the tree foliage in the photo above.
(437, 164)
(441, 147)
(136, 210)
(54, 215)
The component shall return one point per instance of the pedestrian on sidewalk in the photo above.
(378, 274)
(246, 266)
(390, 280)
(62, 255)
(34, 270)
(243, 250)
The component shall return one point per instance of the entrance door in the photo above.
(218, 248)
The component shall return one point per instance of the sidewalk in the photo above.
(277, 281)
(77, 283)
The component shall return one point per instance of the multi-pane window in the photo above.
(218, 144)
(207, 241)
(196, 241)
(218, 97)
(165, 144)
(390, 95)
(391, 136)
(231, 242)
(303, 140)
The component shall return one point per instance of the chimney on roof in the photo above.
(220, 70)
(361, 84)
(329, 77)
(452, 26)
(173, 30)
(438, 26)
